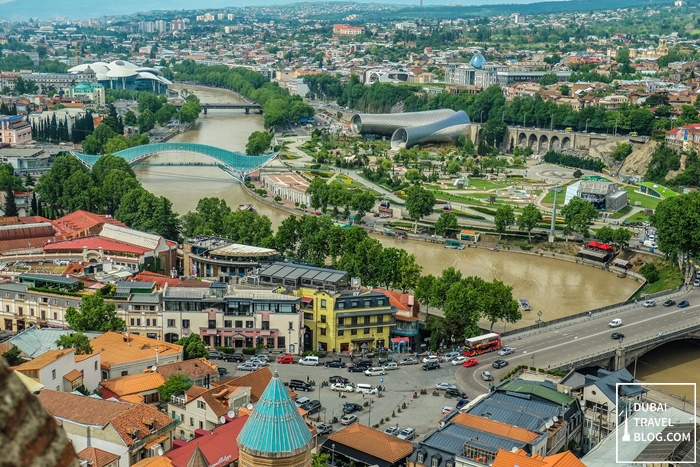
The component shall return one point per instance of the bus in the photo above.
(454, 244)
(447, 208)
(481, 344)
(385, 205)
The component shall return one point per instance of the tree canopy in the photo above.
(94, 315)
(419, 203)
(578, 215)
(192, 347)
(78, 341)
(175, 385)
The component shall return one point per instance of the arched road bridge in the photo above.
(235, 164)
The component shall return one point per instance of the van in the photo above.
(616, 323)
(301, 401)
(650, 243)
(569, 129)
(298, 385)
(310, 360)
(363, 388)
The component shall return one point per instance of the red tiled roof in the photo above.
(373, 442)
(80, 409)
(159, 279)
(80, 221)
(94, 243)
(221, 444)
(137, 419)
(97, 457)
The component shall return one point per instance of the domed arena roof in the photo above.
(275, 428)
(120, 69)
(97, 67)
(477, 61)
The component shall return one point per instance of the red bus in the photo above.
(482, 344)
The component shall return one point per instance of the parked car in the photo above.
(338, 379)
(461, 403)
(431, 366)
(392, 430)
(343, 387)
(286, 359)
(408, 361)
(357, 368)
(263, 356)
(335, 364)
(350, 407)
(324, 429)
(407, 434)
(390, 366)
(500, 363)
(459, 360)
(297, 384)
(447, 409)
(696, 282)
(248, 366)
(445, 386)
(649, 303)
(222, 371)
(506, 351)
(683, 304)
(312, 406)
(486, 376)
(456, 393)
(471, 362)
(258, 361)
(348, 419)
(232, 357)
(215, 355)
(617, 335)
(669, 302)
(431, 359)
(376, 371)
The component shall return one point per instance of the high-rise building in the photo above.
(177, 25)
(161, 25)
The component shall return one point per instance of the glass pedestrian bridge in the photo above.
(234, 163)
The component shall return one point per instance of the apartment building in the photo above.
(21, 308)
(14, 130)
(62, 370)
(347, 30)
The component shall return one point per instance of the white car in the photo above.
(342, 387)
(348, 419)
(459, 360)
(431, 359)
(506, 351)
(649, 303)
(447, 408)
(445, 386)
(392, 430)
(376, 371)
(390, 366)
(407, 434)
(248, 366)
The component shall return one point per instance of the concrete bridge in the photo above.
(541, 140)
(225, 105)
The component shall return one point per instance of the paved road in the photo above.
(565, 342)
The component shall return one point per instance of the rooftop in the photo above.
(133, 384)
(276, 426)
(34, 342)
(196, 368)
(373, 442)
(80, 409)
(95, 243)
(114, 348)
(257, 381)
(496, 428)
(59, 279)
(42, 360)
(97, 457)
(219, 444)
(236, 249)
(539, 390)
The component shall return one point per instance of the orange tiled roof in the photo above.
(564, 459)
(137, 420)
(373, 442)
(520, 458)
(72, 375)
(196, 368)
(159, 279)
(42, 360)
(497, 428)
(256, 380)
(80, 409)
(195, 391)
(114, 348)
(158, 461)
(132, 399)
(79, 221)
(133, 384)
(97, 457)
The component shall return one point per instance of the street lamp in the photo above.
(539, 321)
(333, 454)
(533, 360)
(587, 120)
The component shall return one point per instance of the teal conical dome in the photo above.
(275, 428)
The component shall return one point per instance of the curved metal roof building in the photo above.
(441, 131)
(387, 124)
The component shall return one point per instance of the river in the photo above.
(554, 287)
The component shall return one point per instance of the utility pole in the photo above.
(552, 235)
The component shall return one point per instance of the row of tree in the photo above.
(213, 216)
(339, 196)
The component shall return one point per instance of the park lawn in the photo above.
(480, 184)
(288, 157)
(621, 213)
(669, 278)
(648, 202)
(549, 198)
(639, 217)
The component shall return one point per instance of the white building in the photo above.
(290, 187)
(62, 370)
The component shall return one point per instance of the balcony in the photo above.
(390, 323)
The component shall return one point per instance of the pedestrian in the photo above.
(340, 394)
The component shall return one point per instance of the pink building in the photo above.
(14, 130)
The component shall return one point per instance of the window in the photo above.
(227, 323)
(271, 342)
(31, 312)
(201, 425)
(95, 366)
(201, 405)
(353, 332)
(380, 302)
(421, 457)
(281, 342)
(341, 332)
(368, 303)
(212, 324)
(138, 321)
(323, 318)
(291, 325)
(124, 373)
(191, 421)
(265, 325)
(341, 305)
(171, 323)
(434, 462)
(450, 464)
(249, 325)
(353, 320)
(20, 311)
(380, 318)
(323, 331)
(43, 314)
(323, 304)
(380, 330)
(7, 308)
(366, 319)
(53, 374)
(353, 304)
(366, 330)
(186, 323)
(308, 316)
(55, 315)
(239, 324)
(132, 321)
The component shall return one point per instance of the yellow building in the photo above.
(346, 321)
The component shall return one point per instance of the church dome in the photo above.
(477, 61)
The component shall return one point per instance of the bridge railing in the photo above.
(596, 312)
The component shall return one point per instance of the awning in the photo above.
(396, 340)
(593, 245)
(621, 262)
(153, 442)
(363, 339)
(605, 246)
(307, 300)
(354, 455)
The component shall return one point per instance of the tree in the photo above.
(419, 203)
(578, 214)
(650, 272)
(529, 219)
(35, 206)
(258, 143)
(622, 237)
(10, 203)
(146, 121)
(504, 218)
(578, 173)
(13, 356)
(94, 315)
(78, 341)
(676, 220)
(605, 234)
(319, 459)
(548, 79)
(622, 150)
(497, 303)
(193, 347)
(175, 385)
(362, 202)
(130, 118)
(446, 222)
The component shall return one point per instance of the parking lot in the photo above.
(421, 413)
